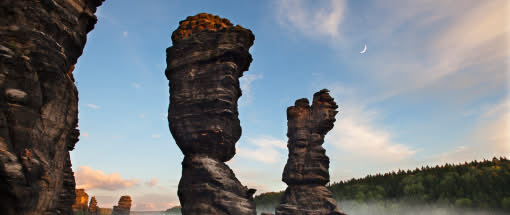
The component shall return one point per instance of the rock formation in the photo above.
(93, 208)
(306, 172)
(81, 200)
(39, 42)
(124, 206)
(204, 65)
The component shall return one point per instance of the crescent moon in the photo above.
(364, 49)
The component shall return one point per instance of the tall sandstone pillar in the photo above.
(40, 41)
(204, 65)
(306, 172)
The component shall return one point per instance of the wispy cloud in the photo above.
(125, 33)
(93, 106)
(246, 87)
(493, 131)
(89, 179)
(154, 202)
(449, 53)
(357, 133)
(153, 182)
(156, 136)
(85, 135)
(263, 149)
(313, 19)
(142, 115)
(136, 85)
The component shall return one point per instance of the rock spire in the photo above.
(204, 65)
(93, 208)
(306, 172)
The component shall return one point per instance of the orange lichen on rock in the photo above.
(200, 22)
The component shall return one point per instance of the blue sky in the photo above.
(432, 87)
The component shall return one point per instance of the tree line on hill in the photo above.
(477, 185)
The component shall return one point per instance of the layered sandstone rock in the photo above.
(204, 65)
(81, 200)
(124, 206)
(306, 172)
(93, 208)
(39, 43)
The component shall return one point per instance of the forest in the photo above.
(475, 185)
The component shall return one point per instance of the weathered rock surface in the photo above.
(39, 42)
(81, 200)
(93, 208)
(306, 172)
(124, 206)
(204, 65)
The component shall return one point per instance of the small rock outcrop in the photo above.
(204, 65)
(39, 42)
(93, 208)
(81, 200)
(306, 172)
(124, 206)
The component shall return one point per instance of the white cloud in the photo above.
(313, 22)
(156, 136)
(136, 85)
(88, 179)
(93, 106)
(245, 83)
(358, 136)
(266, 150)
(125, 34)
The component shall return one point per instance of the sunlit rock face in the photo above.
(40, 41)
(204, 65)
(81, 200)
(124, 206)
(307, 170)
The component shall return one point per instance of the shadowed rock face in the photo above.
(204, 65)
(39, 43)
(93, 208)
(306, 172)
(124, 206)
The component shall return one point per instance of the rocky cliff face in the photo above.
(93, 208)
(204, 65)
(124, 206)
(81, 200)
(39, 43)
(306, 172)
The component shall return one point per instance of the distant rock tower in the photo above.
(80, 203)
(93, 208)
(306, 172)
(124, 206)
(204, 65)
